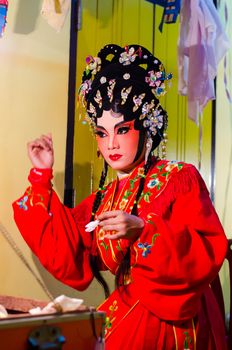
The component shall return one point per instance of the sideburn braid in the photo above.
(93, 258)
(124, 267)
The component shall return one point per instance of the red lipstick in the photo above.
(115, 157)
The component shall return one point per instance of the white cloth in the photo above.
(91, 226)
(61, 303)
(202, 44)
(55, 12)
(3, 312)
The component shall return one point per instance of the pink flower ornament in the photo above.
(93, 64)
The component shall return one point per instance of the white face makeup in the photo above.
(117, 141)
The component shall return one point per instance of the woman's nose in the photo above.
(113, 142)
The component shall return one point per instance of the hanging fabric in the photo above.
(55, 12)
(170, 13)
(202, 44)
(226, 59)
(3, 14)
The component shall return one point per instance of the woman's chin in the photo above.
(122, 168)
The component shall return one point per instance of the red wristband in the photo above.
(40, 176)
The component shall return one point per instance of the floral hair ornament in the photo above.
(126, 76)
(125, 93)
(92, 110)
(146, 108)
(93, 64)
(129, 55)
(157, 80)
(103, 80)
(153, 119)
(84, 89)
(98, 99)
(110, 89)
(90, 121)
(138, 101)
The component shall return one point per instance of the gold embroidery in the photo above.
(111, 318)
(121, 319)
(194, 335)
(174, 331)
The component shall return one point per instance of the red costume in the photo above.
(165, 301)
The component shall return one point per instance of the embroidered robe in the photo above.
(165, 301)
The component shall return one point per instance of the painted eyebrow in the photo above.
(116, 125)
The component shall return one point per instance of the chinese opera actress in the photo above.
(154, 227)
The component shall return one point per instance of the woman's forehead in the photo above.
(109, 119)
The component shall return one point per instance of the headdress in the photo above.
(128, 80)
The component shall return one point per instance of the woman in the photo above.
(154, 227)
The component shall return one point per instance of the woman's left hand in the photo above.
(123, 225)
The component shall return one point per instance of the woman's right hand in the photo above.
(40, 152)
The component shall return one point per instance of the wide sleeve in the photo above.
(181, 249)
(55, 233)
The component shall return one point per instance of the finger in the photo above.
(109, 214)
(110, 221)
(111, 228)
(48, 139)
(49, 135)
(33, 145)
(117, 235)
(46, 142)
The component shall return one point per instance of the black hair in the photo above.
(124, 267)
(93, 258)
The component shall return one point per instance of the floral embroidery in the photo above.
(154, 183)
(150, 221)
(31, 199)
(22, 203)
(118, 247)
(145, 196)
(110, 319)
(101, 234)
(187, 341)
(141, 172)
(123, 204)
(146, 248)
(157, 180)
(104, 245)
(173, 164)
